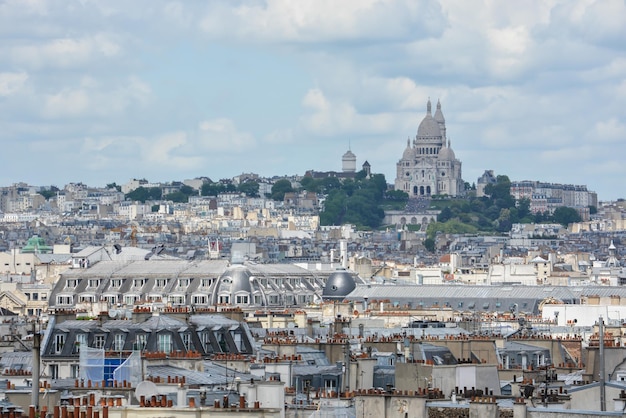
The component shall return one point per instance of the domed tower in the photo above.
(348, 162)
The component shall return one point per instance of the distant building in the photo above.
(348, 162)
(487, 178)
(428, 165)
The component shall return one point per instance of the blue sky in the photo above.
(106, 91)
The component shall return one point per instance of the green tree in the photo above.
(142, 194)
(177, 197)
(500, 192)
(187, 190)
(47, 194)
(212, 189)
(523, 207)
(565, 216)
(334, 208)
(429, 244)
(114, 186)
(309, 184)
(249, 188)
(445, 214)
(329, 183)
(279, 188)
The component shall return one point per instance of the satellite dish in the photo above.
(113, 313)
(147, 389)
(128, 314)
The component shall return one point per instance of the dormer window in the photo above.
(72, 283)
(116, 283)
(65, 300)
(183, 283)
(94, 282)
(161, 283)
(139, 282)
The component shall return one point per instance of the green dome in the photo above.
(36, 244)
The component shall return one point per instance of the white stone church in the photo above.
(428, 165)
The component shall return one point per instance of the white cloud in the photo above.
(11, 83)
(63, 53)
(92, 98)
(323, 20)
(222, 135)
(610, 130)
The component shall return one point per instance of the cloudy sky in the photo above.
(105, 91)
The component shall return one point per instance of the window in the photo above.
(183, 283)
(206, 342)
(238, 340)
(242, 299)
(59, 342)
(140, 341)
(330, 385)
(131, 299)
(221, 341)
(164, 343)
(161, 282)
(116, 283)
(74, 371)
(139, 282)
(98, 341)
(199, 300)
(71, 283)
(177, 299)
(44, 296)
(110, 299)
(206, 282)
(186, 338)
(86, 298)
(65, 300)
(224, 299)
(94, 282)
(53, 371)
(118, 342)
(27, 296)
(81, 341)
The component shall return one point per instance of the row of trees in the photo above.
(494, 213)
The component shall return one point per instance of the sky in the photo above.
(106, 91)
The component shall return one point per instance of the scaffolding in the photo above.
(96, 367)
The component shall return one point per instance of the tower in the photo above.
(348, 162)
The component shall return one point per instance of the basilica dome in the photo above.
(446, 154)
(429, 128)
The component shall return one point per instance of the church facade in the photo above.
(428, 165)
